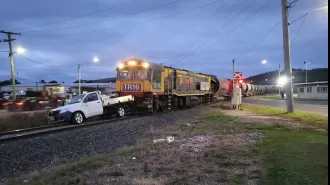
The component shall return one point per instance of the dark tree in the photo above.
(42, 81)
(8, 82)
(53, 82)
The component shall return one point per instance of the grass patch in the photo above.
(269, 96)
(295, 157)
(308, 118)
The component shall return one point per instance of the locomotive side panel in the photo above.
(186, 83)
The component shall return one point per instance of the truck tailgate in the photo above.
(107, 101)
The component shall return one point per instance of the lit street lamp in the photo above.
(95, 60)
(283, 80)
(20, 50)
(279, 73)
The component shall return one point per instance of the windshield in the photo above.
(125, 74)
(77, 99)
(133, 74)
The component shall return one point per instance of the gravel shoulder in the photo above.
(32, 154)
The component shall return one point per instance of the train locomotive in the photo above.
(156, 87)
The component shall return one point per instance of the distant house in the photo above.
(313, 90)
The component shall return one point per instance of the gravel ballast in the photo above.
(24, 156)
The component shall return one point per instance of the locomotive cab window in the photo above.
(156, 79)
(141, 74)
(156, 76)
(124, 75)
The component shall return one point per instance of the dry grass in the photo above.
(20, 120)
(217, 159)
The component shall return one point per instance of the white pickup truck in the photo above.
(88, 105)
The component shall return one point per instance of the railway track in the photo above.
(38, 131)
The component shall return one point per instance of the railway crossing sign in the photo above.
(236, 81)
(238, 75)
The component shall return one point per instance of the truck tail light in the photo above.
(19, 103)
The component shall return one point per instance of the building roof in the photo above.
(312, 83)
(104, 80)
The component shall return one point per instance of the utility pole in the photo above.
(37, 87)
(233, 71)
(79, 83)
(306, 72)
(287, 60)
(11, 59)
(279, 77)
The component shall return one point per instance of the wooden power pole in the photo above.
(287, 57)
(11, 53)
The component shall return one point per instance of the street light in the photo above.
(20, 50)
(283, 80)
(306, 70)
(95, 60)
(279, 73)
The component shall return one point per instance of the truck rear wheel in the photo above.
(77, 118)
(120, 112)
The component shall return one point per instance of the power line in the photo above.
(215, 26)
(299, 19)
(302, 24)
(36, 61)
(247, 19)
(97, 22)
(74, 65)
(138, 23)
(217, 31)
(270, 31)
(78, 16)
(198, 34)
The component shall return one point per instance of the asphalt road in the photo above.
(314, 106)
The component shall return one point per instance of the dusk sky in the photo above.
(197, 35)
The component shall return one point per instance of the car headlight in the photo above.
(63, 110)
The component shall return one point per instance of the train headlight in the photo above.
(145, 65)
(121, 66)
(132, 63)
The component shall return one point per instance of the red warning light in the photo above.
(240, 81)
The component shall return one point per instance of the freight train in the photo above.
(148, 87)
(156, 87)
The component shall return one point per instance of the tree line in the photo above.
(8, 82)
